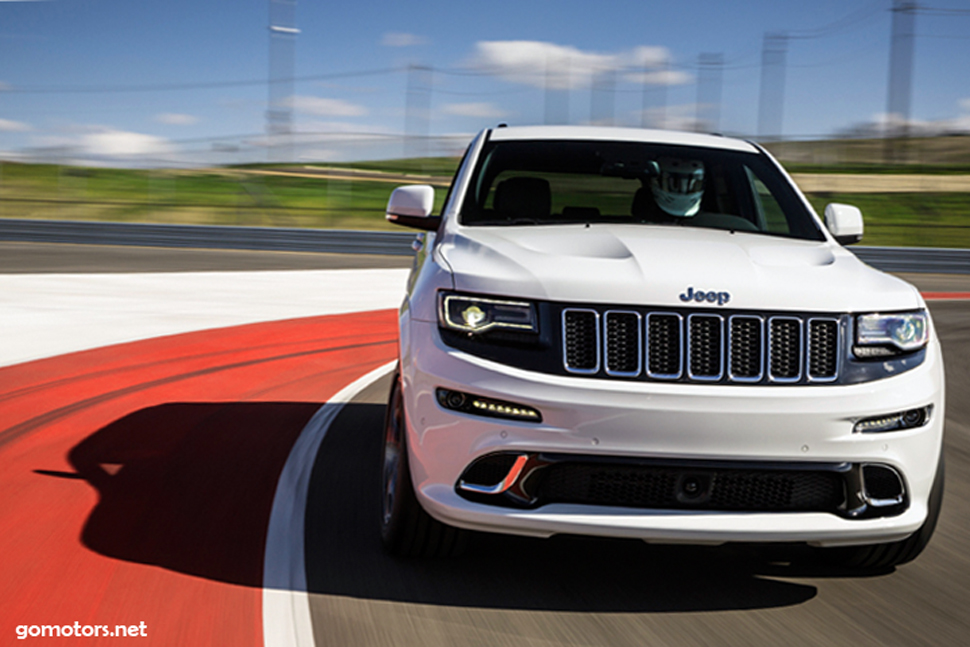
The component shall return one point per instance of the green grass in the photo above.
(166, 196)
(880, 169)
(908, 219)
(419, 166)
(232, 197)
(914, 155)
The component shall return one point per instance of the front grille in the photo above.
(581, 331)
(705, 350)
(702, 346)
(747, 348)
(664, 345)
(748, 490)
(785, 349)
(622, 343)
(823, 353)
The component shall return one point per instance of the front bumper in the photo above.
(583, 416)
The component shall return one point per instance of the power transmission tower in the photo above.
(771, 101)
(417, 111)
(282, 46)
(654, 117)
(709, 75)
(557, 92)
(900, 75)
(602, 97)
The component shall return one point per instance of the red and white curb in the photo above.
(95, 529)
(43, 315)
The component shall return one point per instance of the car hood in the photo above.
(655, 265)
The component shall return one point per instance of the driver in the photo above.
(678, 186)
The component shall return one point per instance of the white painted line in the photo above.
(43, 315)
(286, 605)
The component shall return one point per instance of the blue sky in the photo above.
(97, 76)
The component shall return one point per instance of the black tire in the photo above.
(406, 529)
(882, 556)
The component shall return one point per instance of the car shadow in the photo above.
(188, 487)
(563, 573)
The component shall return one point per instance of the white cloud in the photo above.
(882, 124)
(8, 126)
(480, 110)
(961, 124)
(322, 107)
(339, 127)
(890, 122)
(107, 142)
(176, 119)
(659, 77)
(649, 56)
(400, 39)
(563, 67)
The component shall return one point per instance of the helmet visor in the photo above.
(681, 181)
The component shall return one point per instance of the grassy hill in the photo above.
(353, 195)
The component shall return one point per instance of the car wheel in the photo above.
(877, 556)
(406, 529)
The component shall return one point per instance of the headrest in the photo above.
(523, 197)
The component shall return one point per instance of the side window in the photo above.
(769, 214)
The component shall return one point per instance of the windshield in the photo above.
(527, 183)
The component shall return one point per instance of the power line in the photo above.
(941, 11)
(171, 87)
(845, 23)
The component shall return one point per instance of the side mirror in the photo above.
(411, 206)
(844, 222)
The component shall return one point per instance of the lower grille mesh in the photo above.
(657, 487)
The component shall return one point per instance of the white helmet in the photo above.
(679, 186)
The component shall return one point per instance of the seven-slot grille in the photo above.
(701, 346)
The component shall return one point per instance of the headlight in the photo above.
(478, 314)
(885, 335)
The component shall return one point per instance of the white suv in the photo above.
(634, 333)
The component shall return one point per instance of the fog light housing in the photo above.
(909, 419)
(488, 407)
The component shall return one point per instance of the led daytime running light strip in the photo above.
(492, 407)
(477, 405)
(894, 421)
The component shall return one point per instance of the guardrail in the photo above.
(889, 259)
(279, 239)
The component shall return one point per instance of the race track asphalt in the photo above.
(624, 593)
(572, 590)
